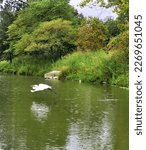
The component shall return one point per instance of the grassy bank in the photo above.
(25, 65)
(95, 67)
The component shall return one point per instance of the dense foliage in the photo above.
(37, 36)
(92, 35)
(112, 27)
(51, 40)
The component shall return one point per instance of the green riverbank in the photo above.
(94, 67)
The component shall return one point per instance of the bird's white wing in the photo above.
(44, 86)
(40, 87)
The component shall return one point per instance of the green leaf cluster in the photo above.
(51, 39)
(119, 46)
(43, 28)
(92, 35)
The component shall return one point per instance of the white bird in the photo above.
(40, 87)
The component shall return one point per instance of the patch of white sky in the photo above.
(101, 13)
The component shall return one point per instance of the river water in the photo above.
(77, 117)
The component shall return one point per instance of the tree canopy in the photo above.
(49, 28)
(51, 39)
(92, 35)
(8, 12)
(38, 16)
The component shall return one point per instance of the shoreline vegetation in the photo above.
(37, 41)
(94, 67)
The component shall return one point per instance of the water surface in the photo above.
(78, 117)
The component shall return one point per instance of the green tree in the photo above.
(34, 14)
(113, 27)
(8, 12)
(6, 18)
(40, 11)
(92, 35)
(119, 46)
(50, 40)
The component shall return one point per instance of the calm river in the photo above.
(78, 117)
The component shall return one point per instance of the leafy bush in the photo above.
(119, 46)
(92, 35)
(112, 26)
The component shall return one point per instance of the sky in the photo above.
(99, 12)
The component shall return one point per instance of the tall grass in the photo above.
(26, 65)
(96, 67)
(85, 66)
